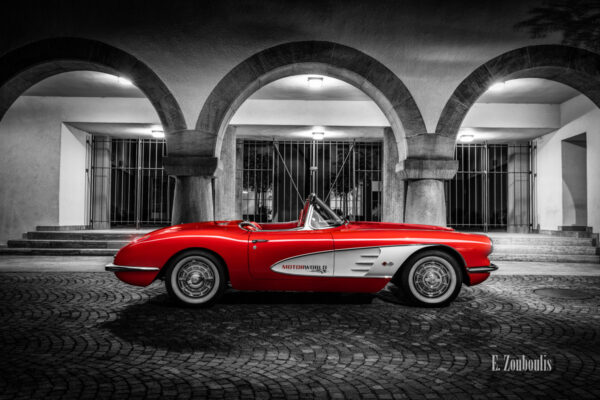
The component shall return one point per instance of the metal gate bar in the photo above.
(136, 188)
(278, 175)
(478, 196)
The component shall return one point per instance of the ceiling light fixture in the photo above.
(124, 81)
(315, 82)
(158, 134)
(468, 138)
(318, 135)
(497, 87)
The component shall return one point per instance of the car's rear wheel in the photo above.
(431, 278)
(195, 278)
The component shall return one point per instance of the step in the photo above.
(67, 244)
(576, 234)
(61, 227)
(577, 228)
(541, 240)
(56, 252)
(82, 235)
(544, 249)
(558, 258)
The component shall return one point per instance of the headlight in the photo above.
(141, 239)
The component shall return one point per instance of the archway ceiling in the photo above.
(530, 90)
(505, 135)
(362, 133)
(83, 84)
(118, 129)
(296, 88)
(22, 68)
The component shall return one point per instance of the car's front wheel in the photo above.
(431, 278)
(195, 278)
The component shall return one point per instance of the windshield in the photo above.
(323, 216)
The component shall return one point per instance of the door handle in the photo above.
(259, 240)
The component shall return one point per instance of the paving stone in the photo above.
(87, 335)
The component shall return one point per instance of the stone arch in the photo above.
(25, 66)
(571, 66)
(317, 57)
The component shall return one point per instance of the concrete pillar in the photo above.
(425, 198)
(193, 200)
(425, 202)
(429, 163)
(100, 218)
(191, 161)
(518, 189)
(225, 183)
(393, 185)
(239, 183)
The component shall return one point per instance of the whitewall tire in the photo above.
(195, 278)
(431, 278)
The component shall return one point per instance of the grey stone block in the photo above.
(412, 168)
(430, 145)
(191, 166)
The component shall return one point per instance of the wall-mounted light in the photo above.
(158, 134)
(315, 82)
(318, 135)
(124, 81)
(497, 87)
(466, 138)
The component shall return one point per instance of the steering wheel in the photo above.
(250, 226)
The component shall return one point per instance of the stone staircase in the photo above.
(566, 245)
(79, 242)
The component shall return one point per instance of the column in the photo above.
(393, 185)
(190, 159)
(100, 216)
(425, 202)
(192, 201)
(518, 189)
(225, 182)
(428, 165)
(239, 183)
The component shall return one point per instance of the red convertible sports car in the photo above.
(319, 252)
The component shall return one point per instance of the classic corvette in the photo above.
(319, 252)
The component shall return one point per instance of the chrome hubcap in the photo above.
(432, 279)
(196, 278)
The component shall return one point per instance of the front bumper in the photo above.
(486, 269)
(125, 268)
(476, 275)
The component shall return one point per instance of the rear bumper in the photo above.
(134, 275)
(126, 268)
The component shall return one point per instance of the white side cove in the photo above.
(365, 262)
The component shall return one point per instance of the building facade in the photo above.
(71, 158)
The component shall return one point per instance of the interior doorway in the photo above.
(129, 186)
(493, 188)
(278, 176)
(574, 180)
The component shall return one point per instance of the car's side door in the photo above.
(290, 253)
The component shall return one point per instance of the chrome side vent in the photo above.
(356, 262)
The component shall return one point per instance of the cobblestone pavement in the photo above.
(88, 335)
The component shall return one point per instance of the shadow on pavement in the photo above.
(239, 317)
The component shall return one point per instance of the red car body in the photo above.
(272, 258)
